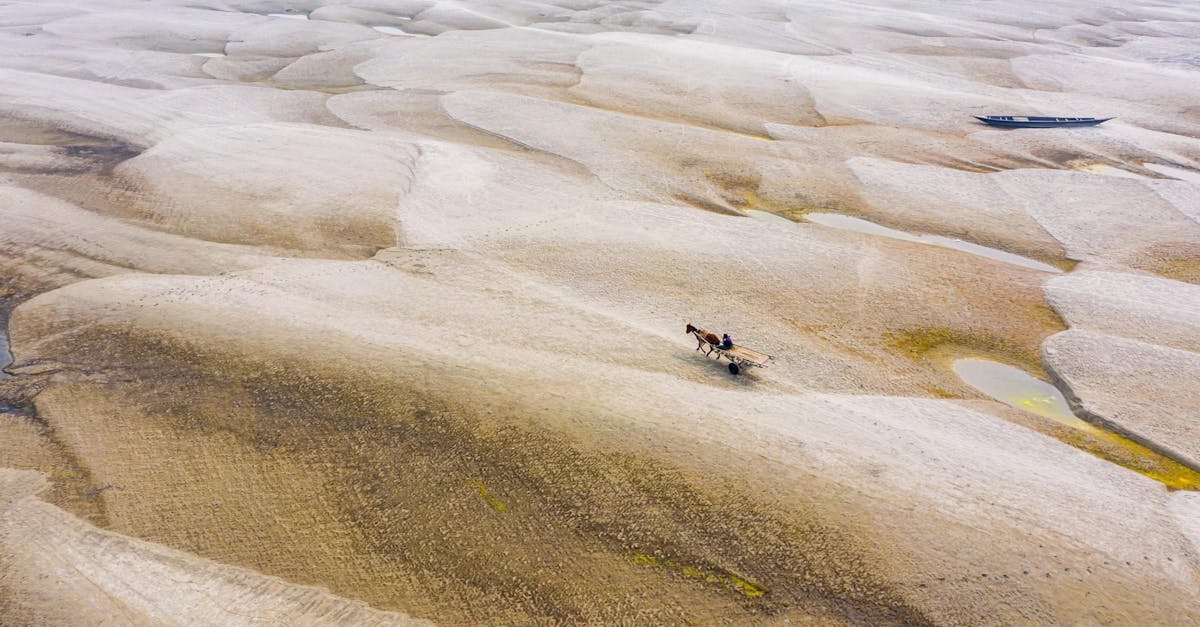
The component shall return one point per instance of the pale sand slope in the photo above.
(1117, 363)
(1116, 375)
(67, 240)
(402, 317)
(60, 570)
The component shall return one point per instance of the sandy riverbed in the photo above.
(372, 312)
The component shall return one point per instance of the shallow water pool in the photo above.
(1015, 387)
(767, 216)
(838, 221)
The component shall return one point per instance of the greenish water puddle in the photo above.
(1017, 388)
(838, 221)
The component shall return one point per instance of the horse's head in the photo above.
(691, 329)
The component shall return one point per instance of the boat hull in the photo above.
(1033, 122)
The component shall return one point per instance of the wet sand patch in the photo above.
(36, 133)
(75, 153)
(943, 344)
(1185, 269)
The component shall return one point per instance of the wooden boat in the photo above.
(1033, 121)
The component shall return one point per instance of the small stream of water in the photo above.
(839, 221)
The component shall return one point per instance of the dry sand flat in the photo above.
(316, 322)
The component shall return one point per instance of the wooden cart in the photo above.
(739, 356)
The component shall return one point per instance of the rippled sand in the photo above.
(372, 312)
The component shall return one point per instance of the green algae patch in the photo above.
(744, 189)
(1127, 453)
(740, 189)
(797, 207)
(491, 501)
(709, 576)
(935, 343)
(1045, 316)
(939, 392)
(62, 474)
(705, 204)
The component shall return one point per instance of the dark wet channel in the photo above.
(6, 357)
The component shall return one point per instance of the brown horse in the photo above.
(703, 336)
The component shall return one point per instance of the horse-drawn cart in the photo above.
(739, 356)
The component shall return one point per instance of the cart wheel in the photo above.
(733, 369)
